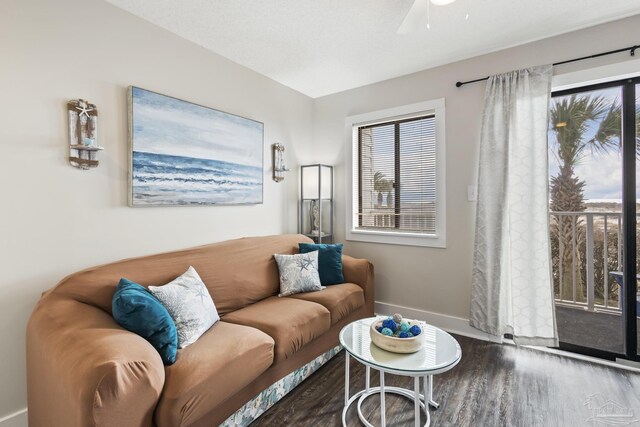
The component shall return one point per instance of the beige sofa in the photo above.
(85, 370)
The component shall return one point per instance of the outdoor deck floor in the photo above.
(602, 331)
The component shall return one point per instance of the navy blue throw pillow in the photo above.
(329, 261)
(137, 310)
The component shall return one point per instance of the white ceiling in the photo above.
(319, 47)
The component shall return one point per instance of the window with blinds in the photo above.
(396, 187)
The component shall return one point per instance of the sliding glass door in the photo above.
(593, 192)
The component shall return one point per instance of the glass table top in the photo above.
(438, 351)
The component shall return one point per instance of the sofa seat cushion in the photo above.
(292, 323)
(224, 360)
(341, 300)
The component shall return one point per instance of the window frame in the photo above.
(353, 123)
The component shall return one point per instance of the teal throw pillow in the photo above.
(329, 261)
(137, 310)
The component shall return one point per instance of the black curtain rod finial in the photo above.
(458, 84)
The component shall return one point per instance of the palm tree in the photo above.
(571, 119)
(382, 185)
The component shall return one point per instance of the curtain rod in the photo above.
(631, 49)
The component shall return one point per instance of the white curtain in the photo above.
(511, 288)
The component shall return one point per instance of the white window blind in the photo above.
(396, 186)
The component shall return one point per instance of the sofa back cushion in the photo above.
(236, 272)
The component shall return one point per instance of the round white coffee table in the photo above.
(439, 353)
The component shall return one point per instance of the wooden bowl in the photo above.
(393, 344)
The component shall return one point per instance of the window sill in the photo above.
(397, 238)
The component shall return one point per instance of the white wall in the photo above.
(55, 219)
(438, 280)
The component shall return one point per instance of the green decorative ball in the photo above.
(404, 326)
(386, 331)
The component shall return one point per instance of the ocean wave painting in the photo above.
(186, 154)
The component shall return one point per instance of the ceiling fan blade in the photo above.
(416, 17)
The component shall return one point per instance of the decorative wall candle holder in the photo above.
(277, 151)
(83, 134)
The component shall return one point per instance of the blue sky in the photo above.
(165, 125)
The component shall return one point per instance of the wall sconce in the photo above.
(83, 134)
(277, 151)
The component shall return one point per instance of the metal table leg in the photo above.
(428, 392)
(416, 401)
(346, 377)
(368, 379)
(420, 401)
(383, 418)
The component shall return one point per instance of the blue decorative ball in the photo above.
(403, 334)
(386, 331)
(379, 329)
(404, 326)
(415, 330)
(389, 323)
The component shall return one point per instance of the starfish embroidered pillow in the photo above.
(298, 273)
(187, 300)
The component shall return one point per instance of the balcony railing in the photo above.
(413, 217)
(586, 247)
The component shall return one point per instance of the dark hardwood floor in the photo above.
(494, 385)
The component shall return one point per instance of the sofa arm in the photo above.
(360, 272)
(85, 370)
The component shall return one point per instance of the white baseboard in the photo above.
(456, 325)
(17, 419)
